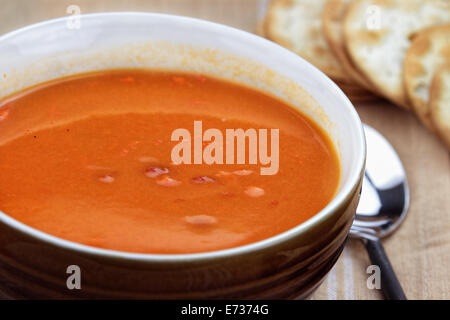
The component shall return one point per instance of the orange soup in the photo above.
(89, 159)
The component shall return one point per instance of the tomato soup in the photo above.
(89, 159)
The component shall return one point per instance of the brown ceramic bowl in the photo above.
(290, 265)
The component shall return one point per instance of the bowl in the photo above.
(289, 265)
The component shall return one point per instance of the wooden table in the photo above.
(420, 250)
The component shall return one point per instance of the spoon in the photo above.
(383, 206)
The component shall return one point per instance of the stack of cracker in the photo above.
(395, 49)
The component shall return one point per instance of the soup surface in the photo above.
(88, 159)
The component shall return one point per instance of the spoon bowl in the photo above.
(383, 206)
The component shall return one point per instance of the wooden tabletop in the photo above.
(419, 250)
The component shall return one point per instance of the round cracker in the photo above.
(260, 29)
(429, 50)
(297, 25)
(357, 95)
(440, 104)
(332, 18)
(363, 98)
(377, 34)
(355, 90)
(351, 85)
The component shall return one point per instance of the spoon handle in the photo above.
(389, 282)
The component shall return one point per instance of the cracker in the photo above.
(260, 29)
(297, 25)
(363, 98)
(429, 50)
(440, 104)
(332, 19)
(355, 91)
(377, 34)
(358, 94)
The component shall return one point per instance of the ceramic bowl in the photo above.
(290, 265)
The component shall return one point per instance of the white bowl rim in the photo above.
(332, 206)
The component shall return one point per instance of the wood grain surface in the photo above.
(419, 250)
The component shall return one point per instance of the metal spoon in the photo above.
(383, 206)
